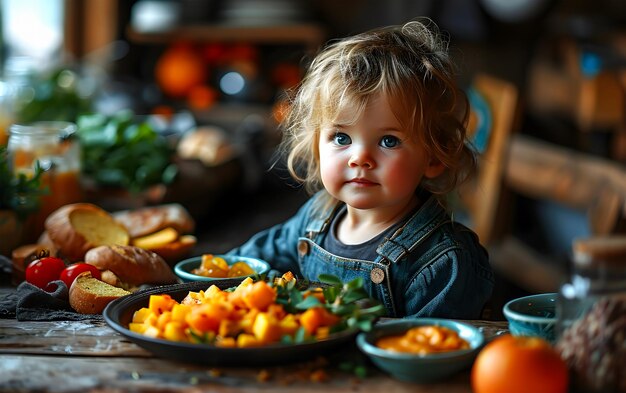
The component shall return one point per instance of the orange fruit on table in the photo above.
(515, 364)
(179, 69)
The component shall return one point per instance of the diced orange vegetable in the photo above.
(277, 310)
(175, 331)
(315, 317)
(228, 328)
(179, 312)
(259, 295)
(152, 331)
(160, 303)
(212, 292)
(226, 342)
(140, 315)
(248, 320)
(137, 327)
(316, 292)
(245, 340)
(266, 328)
(163, 319)
(288, 325)
(206, 317)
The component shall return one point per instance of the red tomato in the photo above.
(41, 271)
(72, 271)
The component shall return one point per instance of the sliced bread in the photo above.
(88, 295)
(79, 227)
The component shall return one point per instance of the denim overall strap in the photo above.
(320, 222)
(427, 219)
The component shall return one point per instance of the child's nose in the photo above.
(361, 158)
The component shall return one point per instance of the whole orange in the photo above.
(514, 364)
(179, 70)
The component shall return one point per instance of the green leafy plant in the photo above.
(54, 95)
(19, 192)
(122, 151)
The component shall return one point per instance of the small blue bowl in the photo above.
(420, 368)
(183, 268)
(533, 315)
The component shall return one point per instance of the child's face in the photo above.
(373, 162)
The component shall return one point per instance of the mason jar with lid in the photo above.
(54, 145)
(591, 315)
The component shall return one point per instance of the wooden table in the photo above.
(69, 356)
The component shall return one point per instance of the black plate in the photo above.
(119, 313)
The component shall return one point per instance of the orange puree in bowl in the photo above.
(422, 340)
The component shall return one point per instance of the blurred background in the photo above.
(207, 79)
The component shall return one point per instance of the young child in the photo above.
(377, 130)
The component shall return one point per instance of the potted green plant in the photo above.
(19, 197)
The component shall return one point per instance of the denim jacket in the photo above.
(430, 267)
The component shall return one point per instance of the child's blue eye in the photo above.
(389, 141)
(342, 139)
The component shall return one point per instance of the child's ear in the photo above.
(434, 169)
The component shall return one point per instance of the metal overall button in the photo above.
(377, 275)
(303, 248)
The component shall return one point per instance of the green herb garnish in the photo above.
(347, 300)
(18, 192)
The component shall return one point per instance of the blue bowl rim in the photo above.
(363, 339)
(187, 275)
(510, 314)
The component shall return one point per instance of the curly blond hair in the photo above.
(409, 64)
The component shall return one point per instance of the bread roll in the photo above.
(175, 251)
(88, 295)
(45, 241)
(132, 265)
(76, 228)
(147, 220)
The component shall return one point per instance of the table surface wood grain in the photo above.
(89, 356)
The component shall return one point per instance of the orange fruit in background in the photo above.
(202, 97)
(514, 364)
(179, 69)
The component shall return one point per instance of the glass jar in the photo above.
(591, 315)
(54, 145)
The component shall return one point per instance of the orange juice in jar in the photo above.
(54, 146)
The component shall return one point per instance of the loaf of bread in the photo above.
(147, 220)
(132, 265)
(88, 295)
(76, 228)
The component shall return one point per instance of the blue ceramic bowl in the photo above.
(533, 315)
(183, 268)
(420, 368)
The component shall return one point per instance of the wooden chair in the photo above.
(493, 115)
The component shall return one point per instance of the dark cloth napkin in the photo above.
(30, 303)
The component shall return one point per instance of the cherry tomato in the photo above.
(43, 270)
(72, 271)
